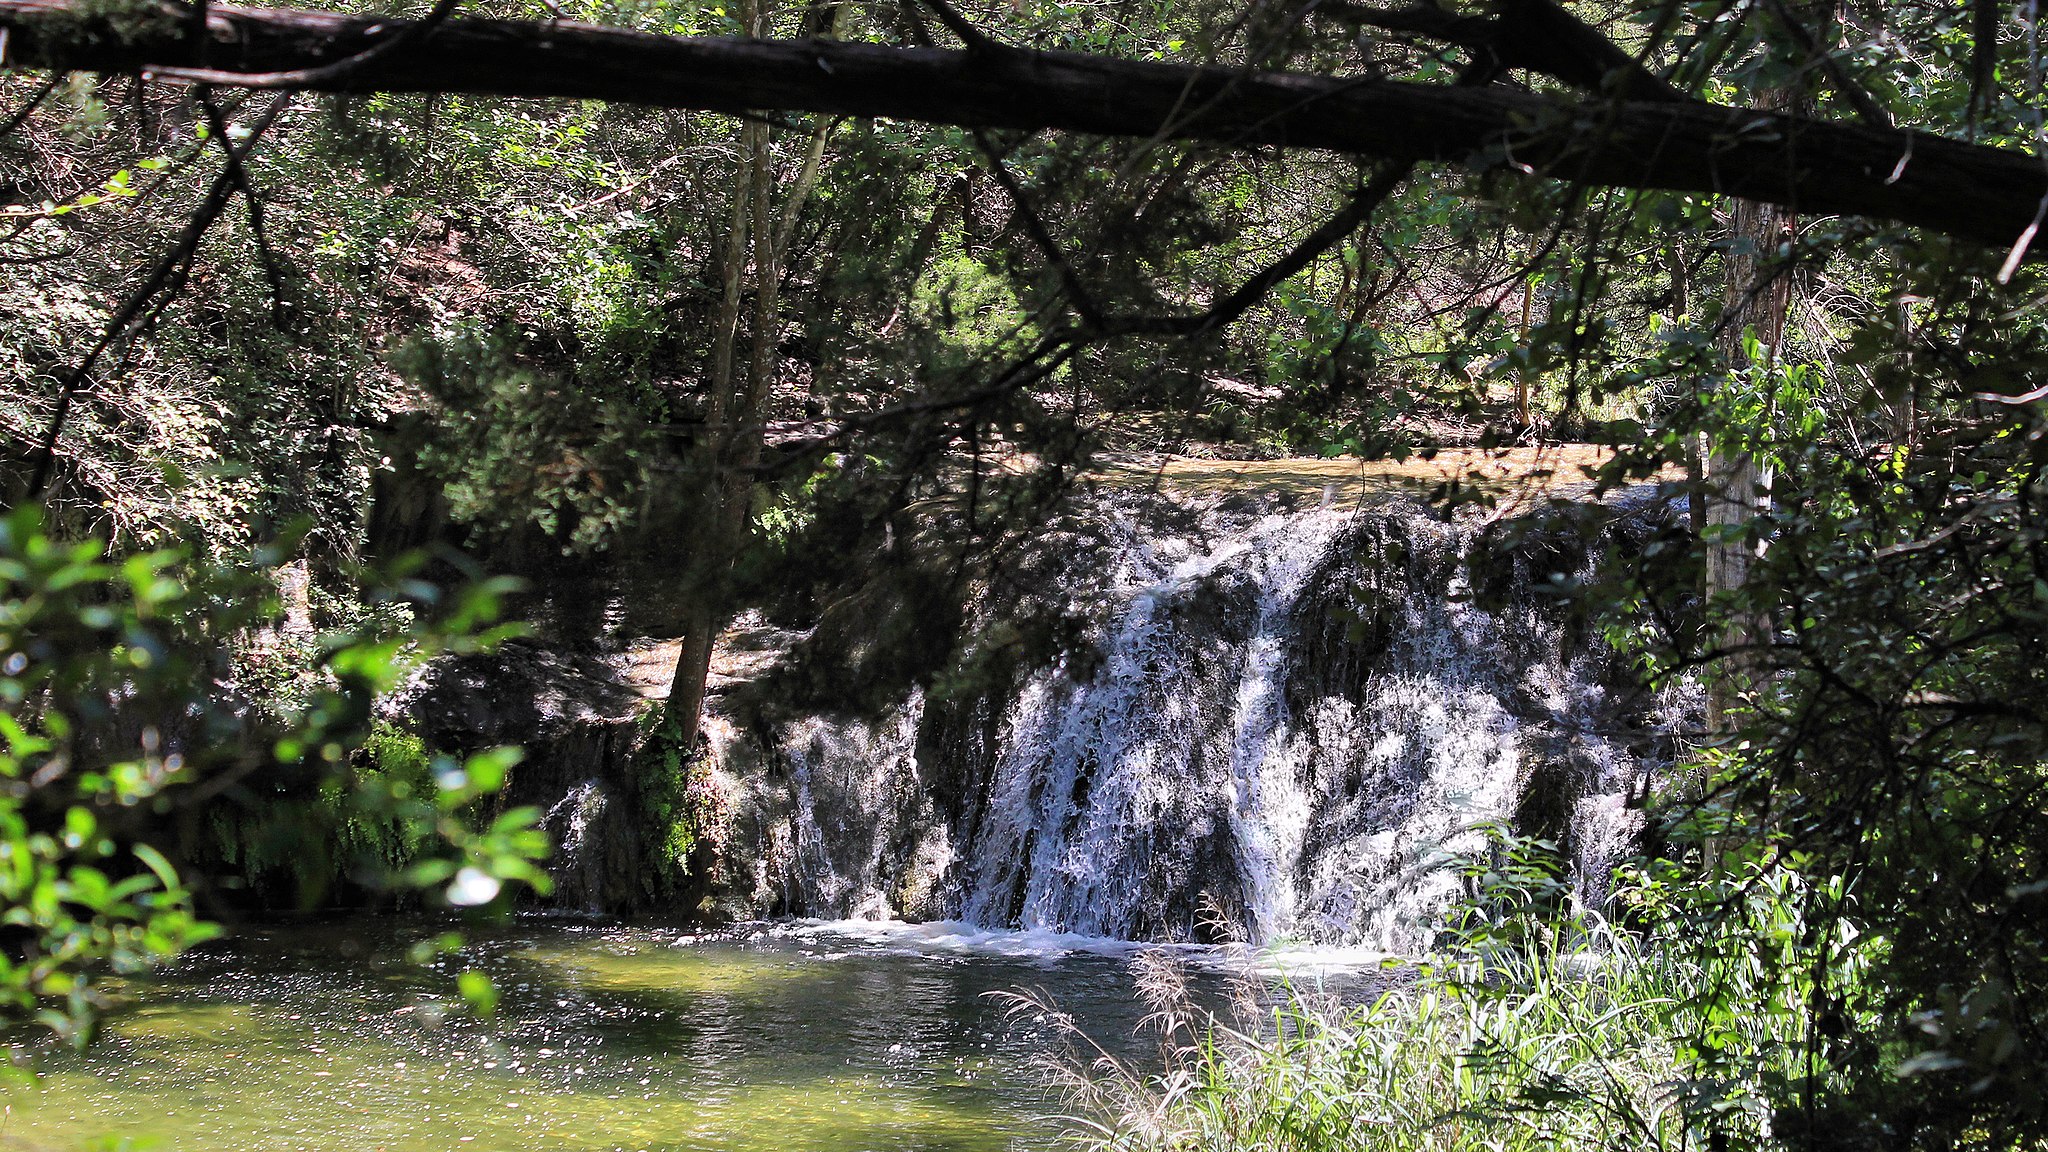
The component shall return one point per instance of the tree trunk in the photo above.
(702, 621)
(1737, 485)
(736, 427)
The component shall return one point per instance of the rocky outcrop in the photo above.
(1278, 720)
(580, 719)
(1281, 720)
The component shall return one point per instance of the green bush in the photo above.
(116, 729)
(1540, 1025)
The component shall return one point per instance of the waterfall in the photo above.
(844, 776)
(575, 825)
(1282, 724)
(1114, 789)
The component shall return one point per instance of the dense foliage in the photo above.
(135, 737)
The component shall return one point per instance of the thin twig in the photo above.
(960, 26)
(34, 102)
(1034, 226)
(1333, 231)
(272, 272)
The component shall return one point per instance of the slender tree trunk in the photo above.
(1737, 485)
(702, 622)
(736, 405)
(703, 619)
(1695, 445)
(954, 193)
(1522, 377)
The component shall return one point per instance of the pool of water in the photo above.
(799, 1037)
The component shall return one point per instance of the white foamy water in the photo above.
(960, 939)
(1282, 729)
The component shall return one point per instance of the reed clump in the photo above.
(1534, 1028)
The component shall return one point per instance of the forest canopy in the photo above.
(1866, 167)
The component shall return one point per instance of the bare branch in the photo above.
(318, 76)
(273, 271)
(1331, 233)
(1077, 292)
(1537, 35)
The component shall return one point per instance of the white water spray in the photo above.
(1282, 729)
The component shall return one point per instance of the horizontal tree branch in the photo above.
(1979, 193)
(1539, 35)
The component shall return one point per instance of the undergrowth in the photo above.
(304, 847)
(677, 803)
(1538, 1025)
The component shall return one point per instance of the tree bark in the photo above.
(1737, 488)
(702, 621)
(1979, 193)
(737, 434)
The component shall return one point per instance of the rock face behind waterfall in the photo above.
(578, 720)
(1281, 722)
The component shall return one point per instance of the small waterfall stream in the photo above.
(1114, 789)
(1281, 725)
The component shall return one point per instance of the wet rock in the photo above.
(1279, 720)
(1263, 718)
(579, 719)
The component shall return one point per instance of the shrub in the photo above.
(1538, 1026)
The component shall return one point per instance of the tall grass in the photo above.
(1566, 1034)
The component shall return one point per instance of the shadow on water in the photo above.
(823, 1038)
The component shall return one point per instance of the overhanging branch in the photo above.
(1539, 35)
(1978, 193)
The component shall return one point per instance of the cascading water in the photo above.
(574, 824)
(1283, 724)
(1117, 788)
(838, 852)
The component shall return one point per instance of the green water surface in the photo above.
(804, 1038)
